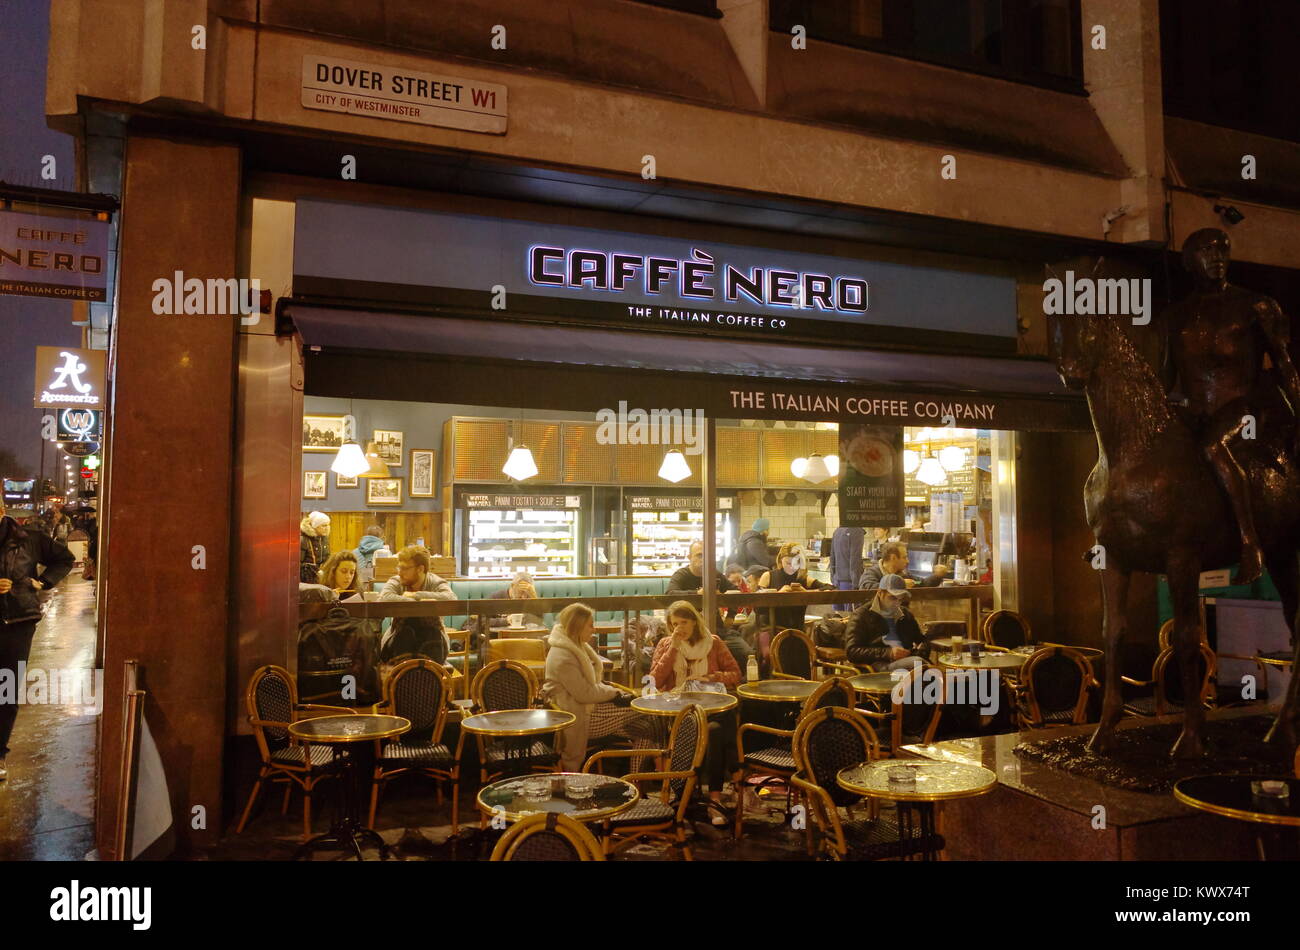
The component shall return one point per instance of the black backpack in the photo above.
(414, 636)
(831, 631)
(332, 647)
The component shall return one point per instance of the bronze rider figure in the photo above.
(1218, 337)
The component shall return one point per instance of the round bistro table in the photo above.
(877, 684)
(514, 724)
(604, 797)
(670, 704)
(934, 782)
(345, 732)
(783, 698)
(987, 661)
(1238, 796)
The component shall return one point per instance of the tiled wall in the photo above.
(789, 522)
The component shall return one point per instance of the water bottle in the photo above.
(751, 669)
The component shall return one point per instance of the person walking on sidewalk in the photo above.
(21, 550)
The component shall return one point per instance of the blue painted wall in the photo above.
(421, 425)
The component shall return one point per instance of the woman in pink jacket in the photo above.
(691, 652)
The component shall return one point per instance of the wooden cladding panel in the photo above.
(480, 450)
(585, 459)
(543, 439)
(780, 448)
(826, 441)
(738, 451)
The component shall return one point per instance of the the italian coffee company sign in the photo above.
(871, 476)
(42, 256)
(70, 378)
(404, 95)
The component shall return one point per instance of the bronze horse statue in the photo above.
(1154, 504)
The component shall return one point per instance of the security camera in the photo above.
(1229, 214)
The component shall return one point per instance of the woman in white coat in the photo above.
(573, 683)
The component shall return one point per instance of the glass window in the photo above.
(703, 7)
(1231, 64)
(1034, 41)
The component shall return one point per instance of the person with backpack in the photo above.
(21, 552)
(414, 581)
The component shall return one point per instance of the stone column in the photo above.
(1124, 88)
(168, 486)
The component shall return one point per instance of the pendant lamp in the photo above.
(931, 471)
(816, 471)
(674, 468)
(521, 464)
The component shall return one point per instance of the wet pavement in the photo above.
(417, 828)
(47, 809)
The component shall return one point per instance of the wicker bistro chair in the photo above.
(417, 690)
(502, 684)
(794, 657)
(661, 816)
(1168, 682)
(272, 702)
(1226, 694)
(776, 760)
(1052, 688)
(1006, 629)
(913, 718)
(548, 837)
(826, 741)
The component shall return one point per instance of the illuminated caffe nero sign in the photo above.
(510, 268)
(698, 277)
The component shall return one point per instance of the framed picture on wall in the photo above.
(388, 442)
(345, 481)
(321, 433)
(421, 473)
(383, 491)
(313, 484)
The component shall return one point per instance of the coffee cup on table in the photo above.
(516, 620)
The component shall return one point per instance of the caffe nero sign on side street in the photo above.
(871, 476)
(421, 258)
(42, 256)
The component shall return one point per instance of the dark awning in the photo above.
(367, 354)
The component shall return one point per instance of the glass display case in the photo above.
(661, 529)
(542, 535)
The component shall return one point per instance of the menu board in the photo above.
(672, 503)
(522, 501)
(871, 476)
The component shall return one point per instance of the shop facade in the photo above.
(512, 270)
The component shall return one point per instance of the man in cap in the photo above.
(883, 634)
